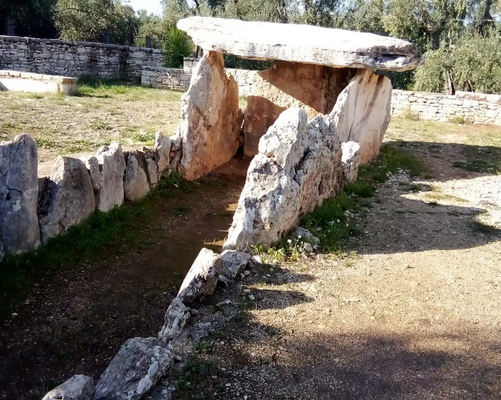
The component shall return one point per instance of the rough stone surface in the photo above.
(210, 119)
(301, 43)
(175, 319)
(67, 197)
(201, 279)
(135, 180)
(234, 263)
(314, 88)
(350, 161)
(79, 387)
(139, 364)
(19, 230)
(96, 176)
(307, 236)
(298, 166)
(162, 147)
(112, 166)
(363, 112)
(152, 169)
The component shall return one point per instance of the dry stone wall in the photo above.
(74, 59)
(477, 108)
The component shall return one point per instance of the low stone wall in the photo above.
(68, 58)
(179, 79)
(476, 108)
(165, 78)
(37, 83)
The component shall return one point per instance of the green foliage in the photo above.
(86, 20)
(149, 25)
(31, 17)
(177, 45)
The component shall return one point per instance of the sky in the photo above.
(152, 6)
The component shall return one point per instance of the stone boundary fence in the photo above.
(75, 59)
(477, 108)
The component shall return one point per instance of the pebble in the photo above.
(246, 290)
(15, 314)
(252, 297)
(246, 273)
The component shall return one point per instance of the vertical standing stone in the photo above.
(363, 112)
(210, 118)
(67, 197)
(19, 230)
(112, 166)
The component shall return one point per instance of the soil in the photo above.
(408, 310)
(75, 319)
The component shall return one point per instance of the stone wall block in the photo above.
(67, 197)
(19, 229)
(112, 166)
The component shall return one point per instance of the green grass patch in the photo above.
(477, 165)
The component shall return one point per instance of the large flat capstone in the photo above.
(301, 43)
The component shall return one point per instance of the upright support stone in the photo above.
(19, 229)
(210, 118)
(314, 88)
(112, 166)
(363, 112)
(67, 197)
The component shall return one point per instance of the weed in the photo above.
(45, 143)
(460, 120)
(144, 137)
(194, 368)
(360, 188)
(100, 126)
(410, 115)
(181, 210)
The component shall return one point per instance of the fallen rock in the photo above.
(67, 197)
(79, 387)
(112, 166)
(210, 119)
(363, 111)
(135, 181)
(135, 369)
(307, 235)
(19, 229)
(234, 263)
(301, 43)
(298, 166)
(350, 161)
(201, 279)
(175, 319)
(163, 148)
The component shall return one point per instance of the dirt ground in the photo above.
(75, 319)
(409, 310)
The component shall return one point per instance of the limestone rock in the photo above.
(301, 43)
(234, 263)
(79, 387)
(135, 181)
(363, 111)
(152, 169)
(67, 197)
(135, 369)
(175, 142)
(350, 161)
(201, 279)
(306, 235)
(96, 176)
(314, 88)
(210, 119)
(298, 166)
(19, 229)
(175, 319)
(162, 147)
(112, 166)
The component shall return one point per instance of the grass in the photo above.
(329, 222)
(485, 229)
(83, 242)
(476, 165)
(103, 111)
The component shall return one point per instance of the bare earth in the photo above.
(409, 310)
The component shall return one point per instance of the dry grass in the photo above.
(100, 114)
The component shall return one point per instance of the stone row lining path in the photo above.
(410, 310)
